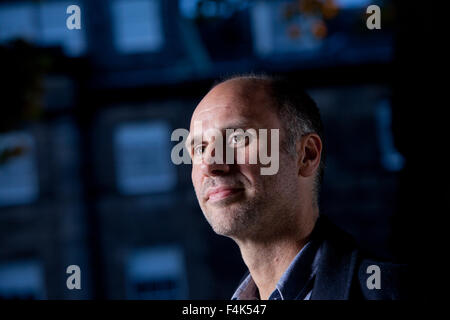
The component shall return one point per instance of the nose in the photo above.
(213, 165)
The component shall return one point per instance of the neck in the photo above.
(268, 259)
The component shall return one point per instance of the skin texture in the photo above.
(269, 216)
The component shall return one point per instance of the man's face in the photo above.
(235, 198)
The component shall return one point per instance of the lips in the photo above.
(220, 193)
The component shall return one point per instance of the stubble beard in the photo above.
(263, 214)
(237, 219)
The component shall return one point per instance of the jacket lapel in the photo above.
(335, 271)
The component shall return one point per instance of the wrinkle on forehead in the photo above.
(238, 90)
(240, 96)
(214, 107)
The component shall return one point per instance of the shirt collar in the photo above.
(294, 281)
(247, 290)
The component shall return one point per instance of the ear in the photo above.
(309, 150)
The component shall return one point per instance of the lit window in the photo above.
(43, 24)
(351, 4)
(278, 27)
(143, 161)
(137, 25)
(391, 159)
(18, 174)
(273, 33)
(22, 280)
(54, 30)
(18, 21)
(156, 273)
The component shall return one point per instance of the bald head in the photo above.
(247, 94)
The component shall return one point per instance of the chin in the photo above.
(227, 223)
(227, 231)
(233, 219)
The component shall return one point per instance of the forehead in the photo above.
(236, 102)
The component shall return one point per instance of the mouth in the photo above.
(222, 193)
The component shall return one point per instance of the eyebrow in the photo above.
(240, 124)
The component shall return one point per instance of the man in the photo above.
(290, 252)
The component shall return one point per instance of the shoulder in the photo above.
(383, 280)
(368, 277)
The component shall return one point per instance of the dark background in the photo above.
(86, 117)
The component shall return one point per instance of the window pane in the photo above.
(22, 280)
(54, 31)
(18, 175)
(18, 21)
(137, 25)
(143, 158)
(156, 273)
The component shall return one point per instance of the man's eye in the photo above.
(198, 150)
(237, 139)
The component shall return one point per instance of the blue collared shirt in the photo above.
(296, 282)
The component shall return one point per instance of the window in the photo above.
(54, 30)
(391, 159)
(143, 163)
(137, 25)
(156, 273)
(22, 280)
(43, 24)
(18, 173)
(18, 20)
(304, 30)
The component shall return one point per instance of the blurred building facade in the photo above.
(88, 179)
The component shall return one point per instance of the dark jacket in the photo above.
(342, 272)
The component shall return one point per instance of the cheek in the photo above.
(252, 167)
(193, 171)
(195, 176)
(251, 172)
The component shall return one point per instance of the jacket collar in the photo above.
(336, 267)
